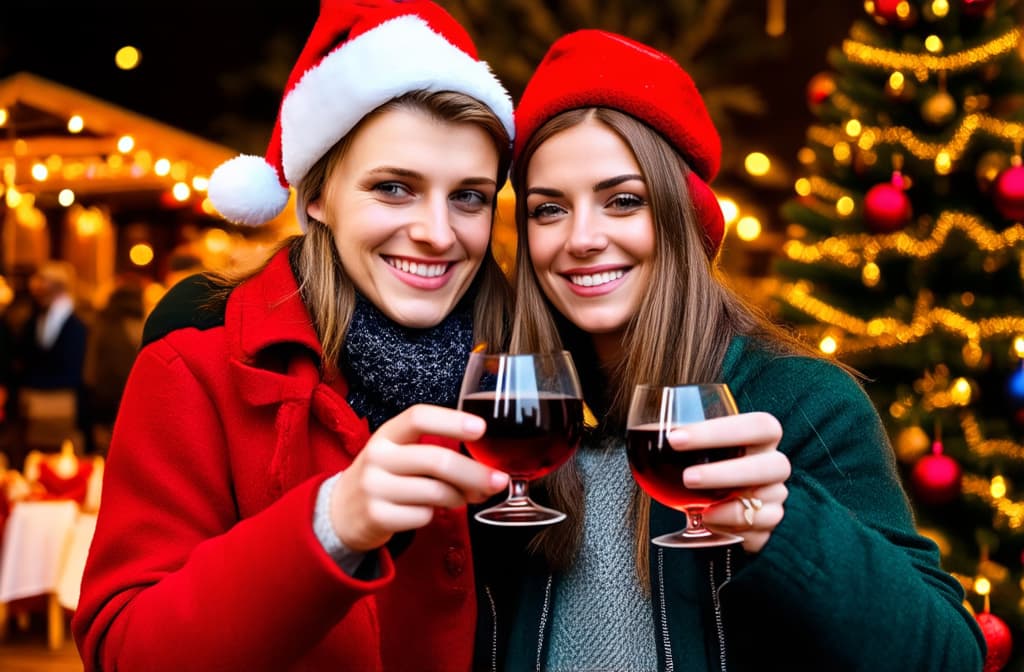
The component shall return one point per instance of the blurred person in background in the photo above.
(112, 345)
(49, 352)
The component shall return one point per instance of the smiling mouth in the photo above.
(596, 279)
(419, 268)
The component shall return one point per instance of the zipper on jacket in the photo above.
(494, 629)
(718, 605)
(669, 663)
(543, 621)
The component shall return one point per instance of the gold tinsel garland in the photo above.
(886, 332)
(924, 150)
(924, 64)
(988, 448)
(979, 486)
(855, 249)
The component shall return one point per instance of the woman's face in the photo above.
(590, 229)
(410, 206)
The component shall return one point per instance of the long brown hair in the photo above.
(328, 292)
(680, 331)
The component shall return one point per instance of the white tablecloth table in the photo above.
(70, 582)
(35, 545)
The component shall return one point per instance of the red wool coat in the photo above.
(204, 556)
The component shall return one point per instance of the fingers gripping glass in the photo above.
(658, 468)
(533, 406)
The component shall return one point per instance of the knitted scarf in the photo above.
(390, 367)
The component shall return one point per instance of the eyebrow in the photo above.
(415, 175)
(600, 186)
(616, 181)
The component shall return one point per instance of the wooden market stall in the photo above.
(106, 189)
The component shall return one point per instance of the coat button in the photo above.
(455, 561)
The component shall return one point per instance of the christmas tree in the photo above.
(905, 259)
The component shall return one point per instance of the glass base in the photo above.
(688, 539)
(519, 512)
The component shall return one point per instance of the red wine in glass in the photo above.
(658, 468)
(533, 406)
(528, 437)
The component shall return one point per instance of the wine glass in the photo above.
(533, 406)
(653, 412)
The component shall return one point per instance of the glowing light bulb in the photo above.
(127, 58)
(757, 164)
(730, 211)
(140, 254)
(748, 228)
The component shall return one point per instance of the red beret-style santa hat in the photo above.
(360, 55)
(595, 68)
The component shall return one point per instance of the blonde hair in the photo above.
(327, 291)
(679, 334)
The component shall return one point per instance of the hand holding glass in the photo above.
(533, 406)
(653, 412)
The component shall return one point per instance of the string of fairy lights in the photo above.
(923, 65)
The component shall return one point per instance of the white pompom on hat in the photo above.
(360, 55)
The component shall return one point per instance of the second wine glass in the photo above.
(533, 406)
(653, 412)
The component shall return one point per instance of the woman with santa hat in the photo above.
(282, 491)
(618, 238)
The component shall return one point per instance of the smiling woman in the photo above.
(269, 460)
(619, 236)
(411, 231)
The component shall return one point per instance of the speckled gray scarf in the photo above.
(390, 367)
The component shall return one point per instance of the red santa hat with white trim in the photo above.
(595, 68)
(360, 55)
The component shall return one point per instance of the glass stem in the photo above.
(695, 524)
(518, 492)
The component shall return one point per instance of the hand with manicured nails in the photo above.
(759, 475)
(396, 482)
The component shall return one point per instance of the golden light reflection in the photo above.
(140, 254)
(127, 58)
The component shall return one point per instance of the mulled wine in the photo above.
(659, 469)
(527, 436)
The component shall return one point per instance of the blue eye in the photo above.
(392, 189)
(546, 211)
(626, 202)
(469, 200)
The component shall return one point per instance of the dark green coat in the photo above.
(844, 583)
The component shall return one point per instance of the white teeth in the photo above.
(595, 279)
(422, 270)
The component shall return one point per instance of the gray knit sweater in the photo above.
(602, 617)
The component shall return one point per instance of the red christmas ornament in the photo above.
(888, 9)
(1008, 193)
(976, 8)
(997, 639)
(886, 206)
(936, 477)
(819, 88)
(899, 12)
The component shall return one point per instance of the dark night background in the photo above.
(215, 69)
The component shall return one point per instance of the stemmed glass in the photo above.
(533, 406)
(658, 468)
